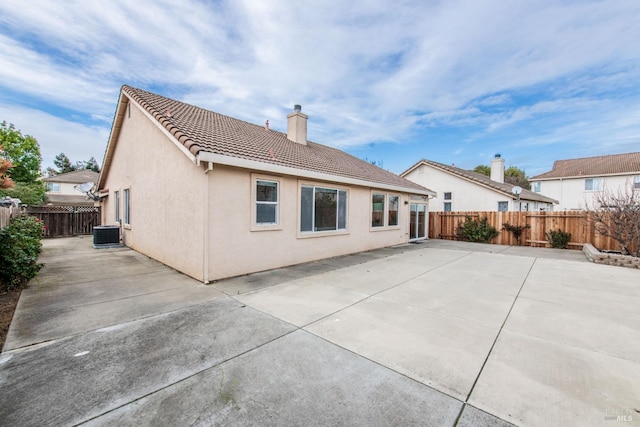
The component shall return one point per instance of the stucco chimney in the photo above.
(497, 169)
(297, 126)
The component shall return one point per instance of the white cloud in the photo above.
(363, 71)
(55, 135)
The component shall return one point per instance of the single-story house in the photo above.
(65, 189)
(214, 197)
(461, 190)
(574, 182)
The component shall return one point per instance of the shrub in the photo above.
(558, 238)
(516, 230)
(476, 230)
(19, 250)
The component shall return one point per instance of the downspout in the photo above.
(205, 224)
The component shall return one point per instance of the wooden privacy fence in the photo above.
(66, 220)
(5, 216)
(443, 225)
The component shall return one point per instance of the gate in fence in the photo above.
(66, 220)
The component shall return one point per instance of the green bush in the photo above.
(558, 238)
(476, 230)
(516, 230)
(19, 250)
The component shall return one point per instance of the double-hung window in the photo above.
(636, 182)
(535, 187)
(322, 209)
(267, 197)
(116, 205)
(126, 195)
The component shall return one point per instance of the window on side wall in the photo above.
(535, 187)
(322, 209)
(447, 195)
(116, 205)
(447, 206)
(377, 210)
(593, 184)
(636, 182)
(267, 199)
(503, 206)
(126, 194)
(53, 187)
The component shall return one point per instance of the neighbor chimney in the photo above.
(497, 169)
(297, 126)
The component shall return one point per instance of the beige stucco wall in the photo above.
(571, 192)
(237, 249)
(466, 195)
(166, 190)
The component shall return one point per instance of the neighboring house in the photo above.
(62, 189)
(463, 190)
(215, 197)
(574, 182)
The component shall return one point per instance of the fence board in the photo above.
(5, 216)
(443, 225)
(66, 220)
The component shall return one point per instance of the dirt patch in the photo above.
(8, 303)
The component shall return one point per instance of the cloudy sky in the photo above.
(454, 81)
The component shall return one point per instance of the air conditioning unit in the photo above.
(106, 236)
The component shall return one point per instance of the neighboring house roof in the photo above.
(215, 137)
(68, 199)
(483, 180)
(75, 177)
(615, 164)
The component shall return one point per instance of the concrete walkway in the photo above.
(440, 333)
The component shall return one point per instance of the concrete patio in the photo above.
(440, 333)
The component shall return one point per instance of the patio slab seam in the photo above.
(524, 281)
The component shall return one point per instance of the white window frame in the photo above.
(445, 207)
(385, 211)
(126, 208)
(319, 233)
(53, 187)
(116, 206)
(535, 186)
(449, 193)
(636, 182)
(255, 225)
(594, 181)
(503, 203)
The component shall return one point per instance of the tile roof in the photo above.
(68, 199)
(504, 188)
(201, 130)
(75, 177)
(628, 163)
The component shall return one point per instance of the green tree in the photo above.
(23, 151)
(516, 176)
(63, 164)
(92, 164)
(483, 169)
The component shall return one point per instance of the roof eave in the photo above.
(205, 156)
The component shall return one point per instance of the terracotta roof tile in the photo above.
(628, 163)
(201, 130)
(485, 180)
